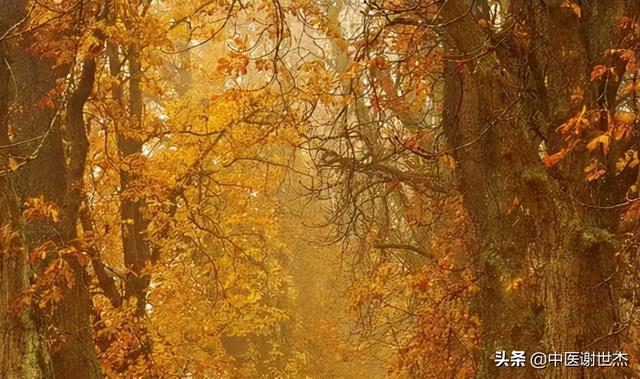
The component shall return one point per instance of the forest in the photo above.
(319, 189)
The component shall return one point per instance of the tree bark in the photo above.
(547, 266)
(42, 173)
(76, 302)
(137, 251)
(23, 352)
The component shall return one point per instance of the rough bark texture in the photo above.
(42, 173)
(73, 311)
(136, 247)
(498, 110)
(22, 349)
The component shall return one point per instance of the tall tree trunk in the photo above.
(136, 248)
(490, 179)
(22, 349)
(582, 277)
(43, 174)
(134, 226)
(76, 302)
(531, 232)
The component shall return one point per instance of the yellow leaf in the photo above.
(514, 284)
(595, 170)
(574, 7)
(55, 216)
(13, 164)
(603, 139)
(625, 117)
(621, 164)
(448, 159)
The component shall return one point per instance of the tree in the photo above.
(38, 176)
(533, 118)
(566, 224)
(468, 168)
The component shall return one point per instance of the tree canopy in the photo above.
(319, 189)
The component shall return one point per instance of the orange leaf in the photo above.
(574, 7)
(550, 160)
(598, 71)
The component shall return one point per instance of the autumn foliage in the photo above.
(316, 189)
